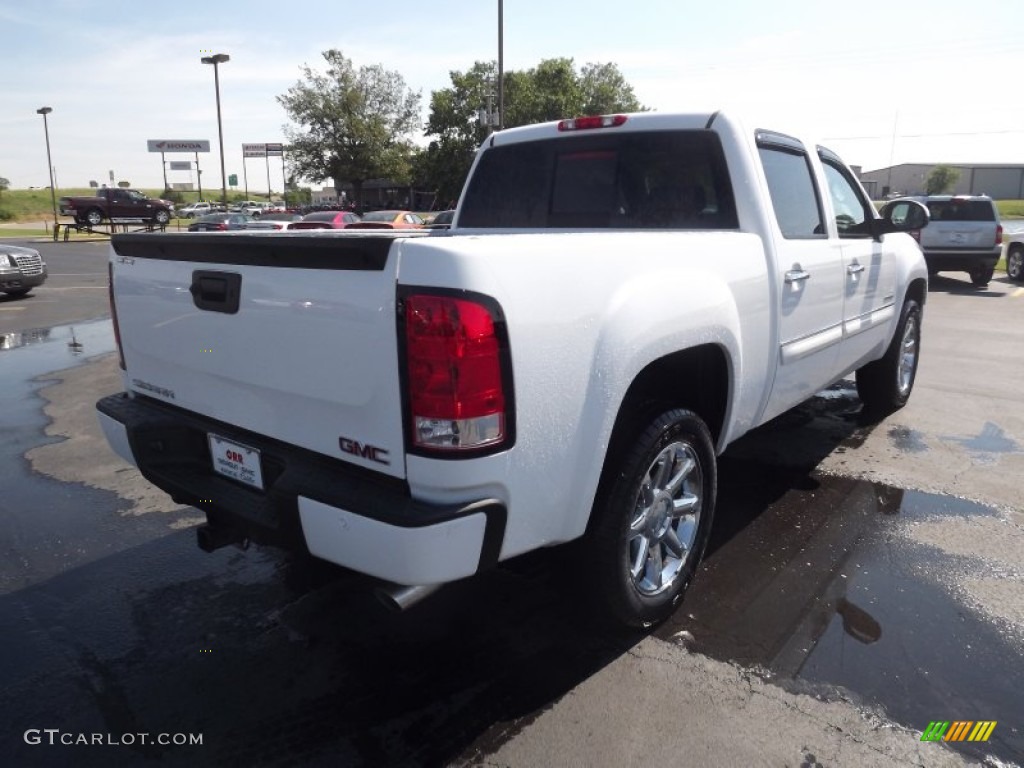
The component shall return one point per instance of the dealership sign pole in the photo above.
(179, 145)
(253, 150)
(277, 149)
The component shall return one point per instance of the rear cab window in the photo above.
(791, 186)
(640, 180)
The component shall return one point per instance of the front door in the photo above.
(869, 301)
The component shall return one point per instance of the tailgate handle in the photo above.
(216, 291)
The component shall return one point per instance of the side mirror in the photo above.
(903, 216)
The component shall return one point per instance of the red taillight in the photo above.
(222, 226)
(113, 315)
(586, 123)
(453, 361)
(999, 234)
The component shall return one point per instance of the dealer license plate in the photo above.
(237, 461)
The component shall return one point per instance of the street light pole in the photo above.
(44, 111)
(219, 58)
(501, 64)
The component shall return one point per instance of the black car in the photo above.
(443, 220)
(219, 222)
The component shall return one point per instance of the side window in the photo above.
(794, 195)
(849, 206)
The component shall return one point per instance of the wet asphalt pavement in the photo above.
(120, 624)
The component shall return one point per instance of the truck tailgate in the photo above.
(289, 336)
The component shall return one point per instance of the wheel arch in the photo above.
(917, 290)
(698, 378)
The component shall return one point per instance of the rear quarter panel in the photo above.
(586, 312)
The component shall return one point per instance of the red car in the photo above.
(389, 220)
(326, 220)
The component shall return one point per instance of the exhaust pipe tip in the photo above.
(400, 598)
(211, 537)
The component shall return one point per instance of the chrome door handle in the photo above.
(854, 269)
(796, 275)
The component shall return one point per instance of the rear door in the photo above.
(119, 204)
(293, 337)
(811, 276)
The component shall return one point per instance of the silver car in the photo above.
(21, 269)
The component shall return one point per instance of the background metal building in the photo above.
(1001, 182)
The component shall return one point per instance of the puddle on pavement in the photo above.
(815, 580)
(30, 353)
(991, 439)
(907, 440)
(27, 355)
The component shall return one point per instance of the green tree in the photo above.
(349, 124)
(173, 195)
(941, 179)
(5, 184)
(551, 90)
(604, 90)
(455, 125)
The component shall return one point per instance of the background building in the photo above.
(1001, 182)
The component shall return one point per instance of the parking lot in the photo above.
(864, 579)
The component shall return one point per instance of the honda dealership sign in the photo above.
(167, 145)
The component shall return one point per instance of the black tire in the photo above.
(93, 217)
(161, 218)
(655, 508)
(981, 275)
(1015, 263)
(17, 292)
(884, 385)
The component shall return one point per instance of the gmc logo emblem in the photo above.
(371, 452)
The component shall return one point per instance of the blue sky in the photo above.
(944, 77)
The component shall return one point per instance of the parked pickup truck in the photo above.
(116, 203)
(618, 299)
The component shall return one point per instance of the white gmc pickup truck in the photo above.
(619, 298)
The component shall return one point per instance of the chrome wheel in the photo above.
(908, 356)
(1015, 264)
(93, 217)
(885, 384)
(666, 517)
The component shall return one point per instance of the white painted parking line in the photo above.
(11, 309)
(1018, 293)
